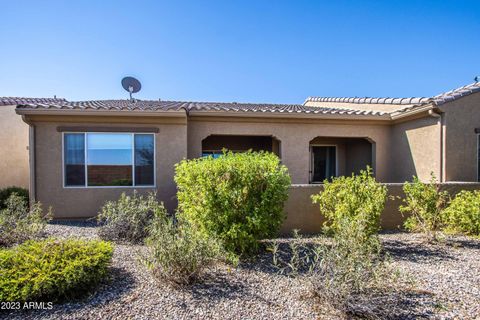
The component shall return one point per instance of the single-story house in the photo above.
(85, 152)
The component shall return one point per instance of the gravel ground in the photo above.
(448, 279)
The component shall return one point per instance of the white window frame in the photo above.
(133, 186)
(311, 161)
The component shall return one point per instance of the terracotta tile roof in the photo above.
(406, 101)
(411, 102)
(7, 101)
(456, 93)
(405, 104)
(154, 105)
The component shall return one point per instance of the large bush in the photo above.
(237, 197)
(178, 253)
(358, 197)
(19, 223)
(425, 203)
(463, 213)
(128, 218)
(52, 269)
(7, 192)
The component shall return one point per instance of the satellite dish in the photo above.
(131, 85)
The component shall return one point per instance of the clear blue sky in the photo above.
(250, 51)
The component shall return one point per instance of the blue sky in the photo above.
(246, 51)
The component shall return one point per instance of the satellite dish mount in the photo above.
(131, 85)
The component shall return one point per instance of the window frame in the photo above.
(86, 186)
(310, 173)
(478, 157)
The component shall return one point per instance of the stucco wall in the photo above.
(295, 137)
(415, 149)
(462, 116)
(85, 202)
(305, 216)
(14, 149)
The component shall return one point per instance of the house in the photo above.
(14, 135)
(83, 153)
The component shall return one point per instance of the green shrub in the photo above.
(52, 269)
(178, 253)
(237, 198)
(7, 192)
(463, 213)
(19, 223)
(359, 197)
(425, 202)
(128, 218)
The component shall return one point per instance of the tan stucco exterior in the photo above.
(415, 149)
(462, 116)
(14, 149)
(295, 136)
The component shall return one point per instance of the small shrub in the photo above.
(7, 192)
(359, 197)
(237, 198)
(177, 253)
(350, 268)
(128, 218)
(52, 269)
(463, 213)
(425, 202)
(348, 273)
(19, 223)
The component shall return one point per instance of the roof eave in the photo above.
(289, 115)
(415, 111)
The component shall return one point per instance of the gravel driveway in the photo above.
(448, 275)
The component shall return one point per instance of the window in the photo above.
(214, 154)
(108, 159)
(323, 163)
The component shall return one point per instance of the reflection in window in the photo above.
(109, 159)
(112, 159)
(214, 154)
(144, 152)
(74, 157)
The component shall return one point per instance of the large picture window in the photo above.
(108, 159)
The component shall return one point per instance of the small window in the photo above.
(144, 158)
(108, 159)
(478, 157)
(74, 158)
(324, 163)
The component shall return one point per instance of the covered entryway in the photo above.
(214, 144)
(333, 157)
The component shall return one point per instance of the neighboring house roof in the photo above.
(392, 105)
(154, 105)
(9, 101)
(456, 93)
